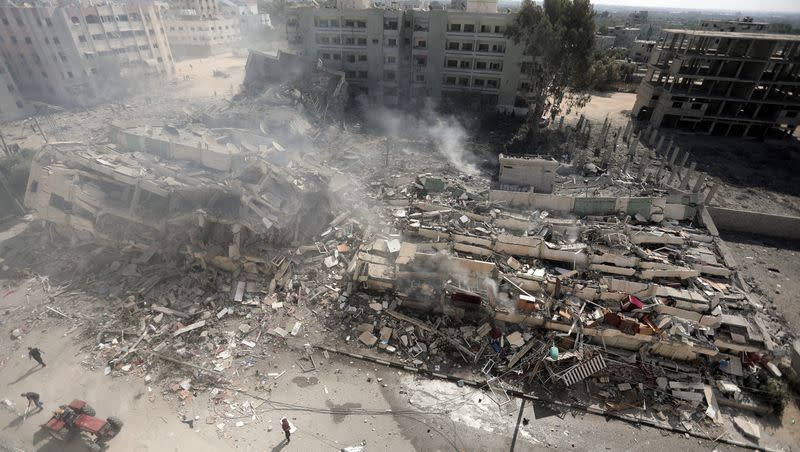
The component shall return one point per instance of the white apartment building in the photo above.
(191, 37)
(202, 8)
(82, 53)
(12, 105)
(392, 55)
(197, 28)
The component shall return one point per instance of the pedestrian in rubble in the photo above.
(33, 398)
(286, 429)
(36, 355)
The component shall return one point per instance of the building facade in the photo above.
(396, 56)
(746, 25)
(198, 28)
(80, 54)
(722, 83)
(12, 105)
(196, 37)
(640, 51)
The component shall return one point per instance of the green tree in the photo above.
(558, 39)
(783, 28)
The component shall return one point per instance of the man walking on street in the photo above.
(33, 398)
(36, 354)
(286, 427)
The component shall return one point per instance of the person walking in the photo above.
(286, 429)
(36, 354)
(33, 398)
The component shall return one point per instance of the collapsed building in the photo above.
(158, 184)
(570, 264)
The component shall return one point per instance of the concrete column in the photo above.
(644, 162)
(629, 135)
(669, 144)
(685, 181)
(627, 131)
(633, 145)
(684, 159)
(674, 156)
(660, 144)
(588, 134)
(710, 196)
(675, 170)
(652, 138)
(699, 184)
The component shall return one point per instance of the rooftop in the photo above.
(736, 34)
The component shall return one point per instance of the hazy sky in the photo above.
(731, 5)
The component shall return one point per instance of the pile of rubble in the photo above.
(231, 244)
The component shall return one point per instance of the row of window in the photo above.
(418, 44)
(348, 40)
(479, 65)
(482, 47)
(476, 82)
(334, 23)
(95, 19)
(204, 38)
(226, 27)
(18, 20)
(470, 28)
(392, 24)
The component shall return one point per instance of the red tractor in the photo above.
(76, 418)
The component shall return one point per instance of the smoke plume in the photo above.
(445, 133)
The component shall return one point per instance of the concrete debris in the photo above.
(219, 238)
(749, 428)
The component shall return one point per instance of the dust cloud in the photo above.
(447, 135)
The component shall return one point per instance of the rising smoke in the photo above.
(445, 133)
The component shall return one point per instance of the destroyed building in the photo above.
(83, 53)
(322, 91)
(162, 185)
(525, 173)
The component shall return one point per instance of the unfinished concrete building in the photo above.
(82, 53)
(722, 83)
(395, 57)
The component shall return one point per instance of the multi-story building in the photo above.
(640, 51)
(722, 83)
(604, 42)
(747, 25)
(203, 8)
(253, 26)
(392, 54)
(192, 36)
(82, 53)
(624, 36)
(12, 105)
(196, 28)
